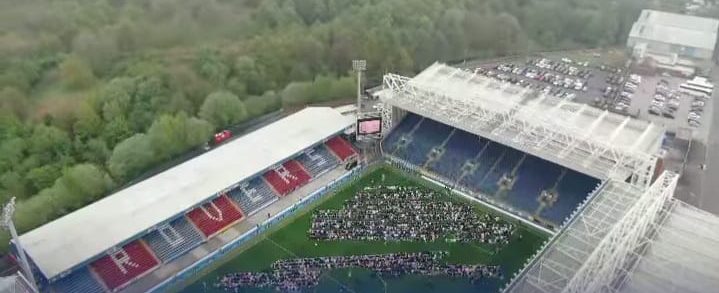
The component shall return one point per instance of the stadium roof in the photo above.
(88, 232)
(682, 257)
(578, 136)
(626, 240)
(684, 30)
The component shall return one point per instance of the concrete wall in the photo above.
(667, 49)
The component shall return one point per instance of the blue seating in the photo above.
(572, 190)
(173, 239)
(405, 126)
(534, 176)
(253, 195)
(510, 158)
(429, 135)
(486, 160)
(318, 160)
(461, 147)
(78, 281)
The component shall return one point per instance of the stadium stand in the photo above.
(253, 195)
(428, 135)
(571, 185)
(341, 148)
(484, 163)
(173, 239)
(80, 280)
(479, 165)
(317, 160)
(214, 216)
(461, 145)
(287, 177)
(123, 265)
(534, 176)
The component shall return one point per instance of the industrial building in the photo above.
(674, 42)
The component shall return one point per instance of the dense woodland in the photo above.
(93, 93)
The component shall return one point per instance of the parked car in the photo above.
(655, 110)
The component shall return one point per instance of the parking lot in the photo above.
(656, 96)
(580, 81)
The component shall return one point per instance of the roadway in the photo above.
(709, 195)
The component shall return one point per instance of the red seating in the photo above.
(213, 217)
(341, 148)
(287, 177)
(119, 268)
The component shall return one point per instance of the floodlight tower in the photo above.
(7, 223)
(359, 66)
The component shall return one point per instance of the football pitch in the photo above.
(289, 240)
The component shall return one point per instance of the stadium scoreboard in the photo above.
(369, 127)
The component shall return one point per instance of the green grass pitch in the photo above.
(289, 240)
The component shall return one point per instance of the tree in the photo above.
(168, 135)
(252, 75)
(49, 143)
(76, 74)
(222, 109)
(259, 105)
(44, 176)
(88, 123)
(211, 66)
(84, 184)
(296, 93)
(131, 157)
(116, 98)
(100, 50)
(94, 151)
(14, 101)
(12, 151)
(12, 184)
(115, 131)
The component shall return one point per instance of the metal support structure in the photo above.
(601, 244)
(609, 259)
(9, 224)
(544, 126)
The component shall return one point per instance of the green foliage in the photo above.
(168, 137)
(131, 156)
(80, 185)
(49, 143)
(323, 88)
(173, 135)
(260, 105)
(14, 101)
(223, 109)
(76, 74)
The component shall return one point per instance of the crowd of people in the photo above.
(398, 213)
(304, 273)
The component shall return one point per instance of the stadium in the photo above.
(589, 180)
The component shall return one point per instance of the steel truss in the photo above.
(514, 118)
(602, 243)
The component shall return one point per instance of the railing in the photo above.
(201, 264)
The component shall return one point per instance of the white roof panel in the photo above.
(684, 30)
(682, 257)
(88, 232)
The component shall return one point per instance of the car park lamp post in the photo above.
(7, 223)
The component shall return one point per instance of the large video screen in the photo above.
(369, 126)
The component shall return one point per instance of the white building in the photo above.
(674, 41)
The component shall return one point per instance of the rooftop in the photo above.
(578, 136)
(88, 232)
(678, 29)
